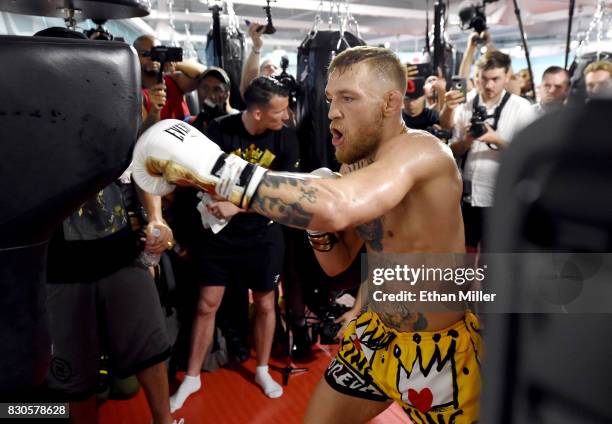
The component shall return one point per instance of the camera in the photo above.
(163, 54)
(288, 81)
(440, 133)
(477, 123)
(473, 16)
(100, 33)
(328, 328)
(415, 88)
(459, 84)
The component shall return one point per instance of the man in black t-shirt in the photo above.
(417, 116)
(100, 300)
(250, 248)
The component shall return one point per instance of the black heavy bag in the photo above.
(314, 56)
(87, 9)
(553, 195)
(68, 120)
(232, 51)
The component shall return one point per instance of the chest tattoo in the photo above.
(372, 233)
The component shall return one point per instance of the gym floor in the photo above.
(230, 396)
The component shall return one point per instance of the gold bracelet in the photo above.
(323, 242)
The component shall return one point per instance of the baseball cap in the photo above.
(216, 72)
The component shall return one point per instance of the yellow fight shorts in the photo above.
(434, 376)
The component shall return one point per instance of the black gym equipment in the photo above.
(69, 117)
(225, 49)
(517, 12)
(314, 56)
(84, 9)
(552, 195)
(569, 30)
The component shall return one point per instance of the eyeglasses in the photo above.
(144, 53)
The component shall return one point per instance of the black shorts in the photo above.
(122, 309)
(255, 261)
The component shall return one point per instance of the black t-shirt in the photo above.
(426, 119)
(94, 241)
(274, 150)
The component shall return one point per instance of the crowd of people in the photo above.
(101, 299)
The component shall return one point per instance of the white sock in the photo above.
(190, 384)
(270, 387)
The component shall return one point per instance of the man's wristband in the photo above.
(256, 51)
(323, 242)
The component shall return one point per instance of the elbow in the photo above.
(333, 272)
(335, 216)
(335, 268)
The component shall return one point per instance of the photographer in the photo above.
(483, 128)
(165, 100)
(213, 95)
(416, 115)
(475, 39)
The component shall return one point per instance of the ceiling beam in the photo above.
(355, 9)
(197, 17)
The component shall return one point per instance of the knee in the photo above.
(207, 307)
(264, 308)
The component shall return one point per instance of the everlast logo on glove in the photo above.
(178, 130)
(159, 164)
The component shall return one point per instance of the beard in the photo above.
(360, 142)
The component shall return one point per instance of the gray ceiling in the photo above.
(398, 22)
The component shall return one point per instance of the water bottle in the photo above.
(149, 259)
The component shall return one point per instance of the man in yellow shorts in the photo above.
(400, 193)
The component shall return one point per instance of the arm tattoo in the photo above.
(275, 207)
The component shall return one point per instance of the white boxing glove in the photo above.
(325, 173)
(173, 152)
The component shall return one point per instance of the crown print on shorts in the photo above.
(429, 383)
(433, 376)
(368, 339)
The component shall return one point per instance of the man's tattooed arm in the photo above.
(286, 199)
(295, 199)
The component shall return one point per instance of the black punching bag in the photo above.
(314, 56)
(228, 56)
(68, 120)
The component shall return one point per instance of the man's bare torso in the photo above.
(427, 220)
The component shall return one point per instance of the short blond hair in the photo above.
(601, 65)
(383, 61)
